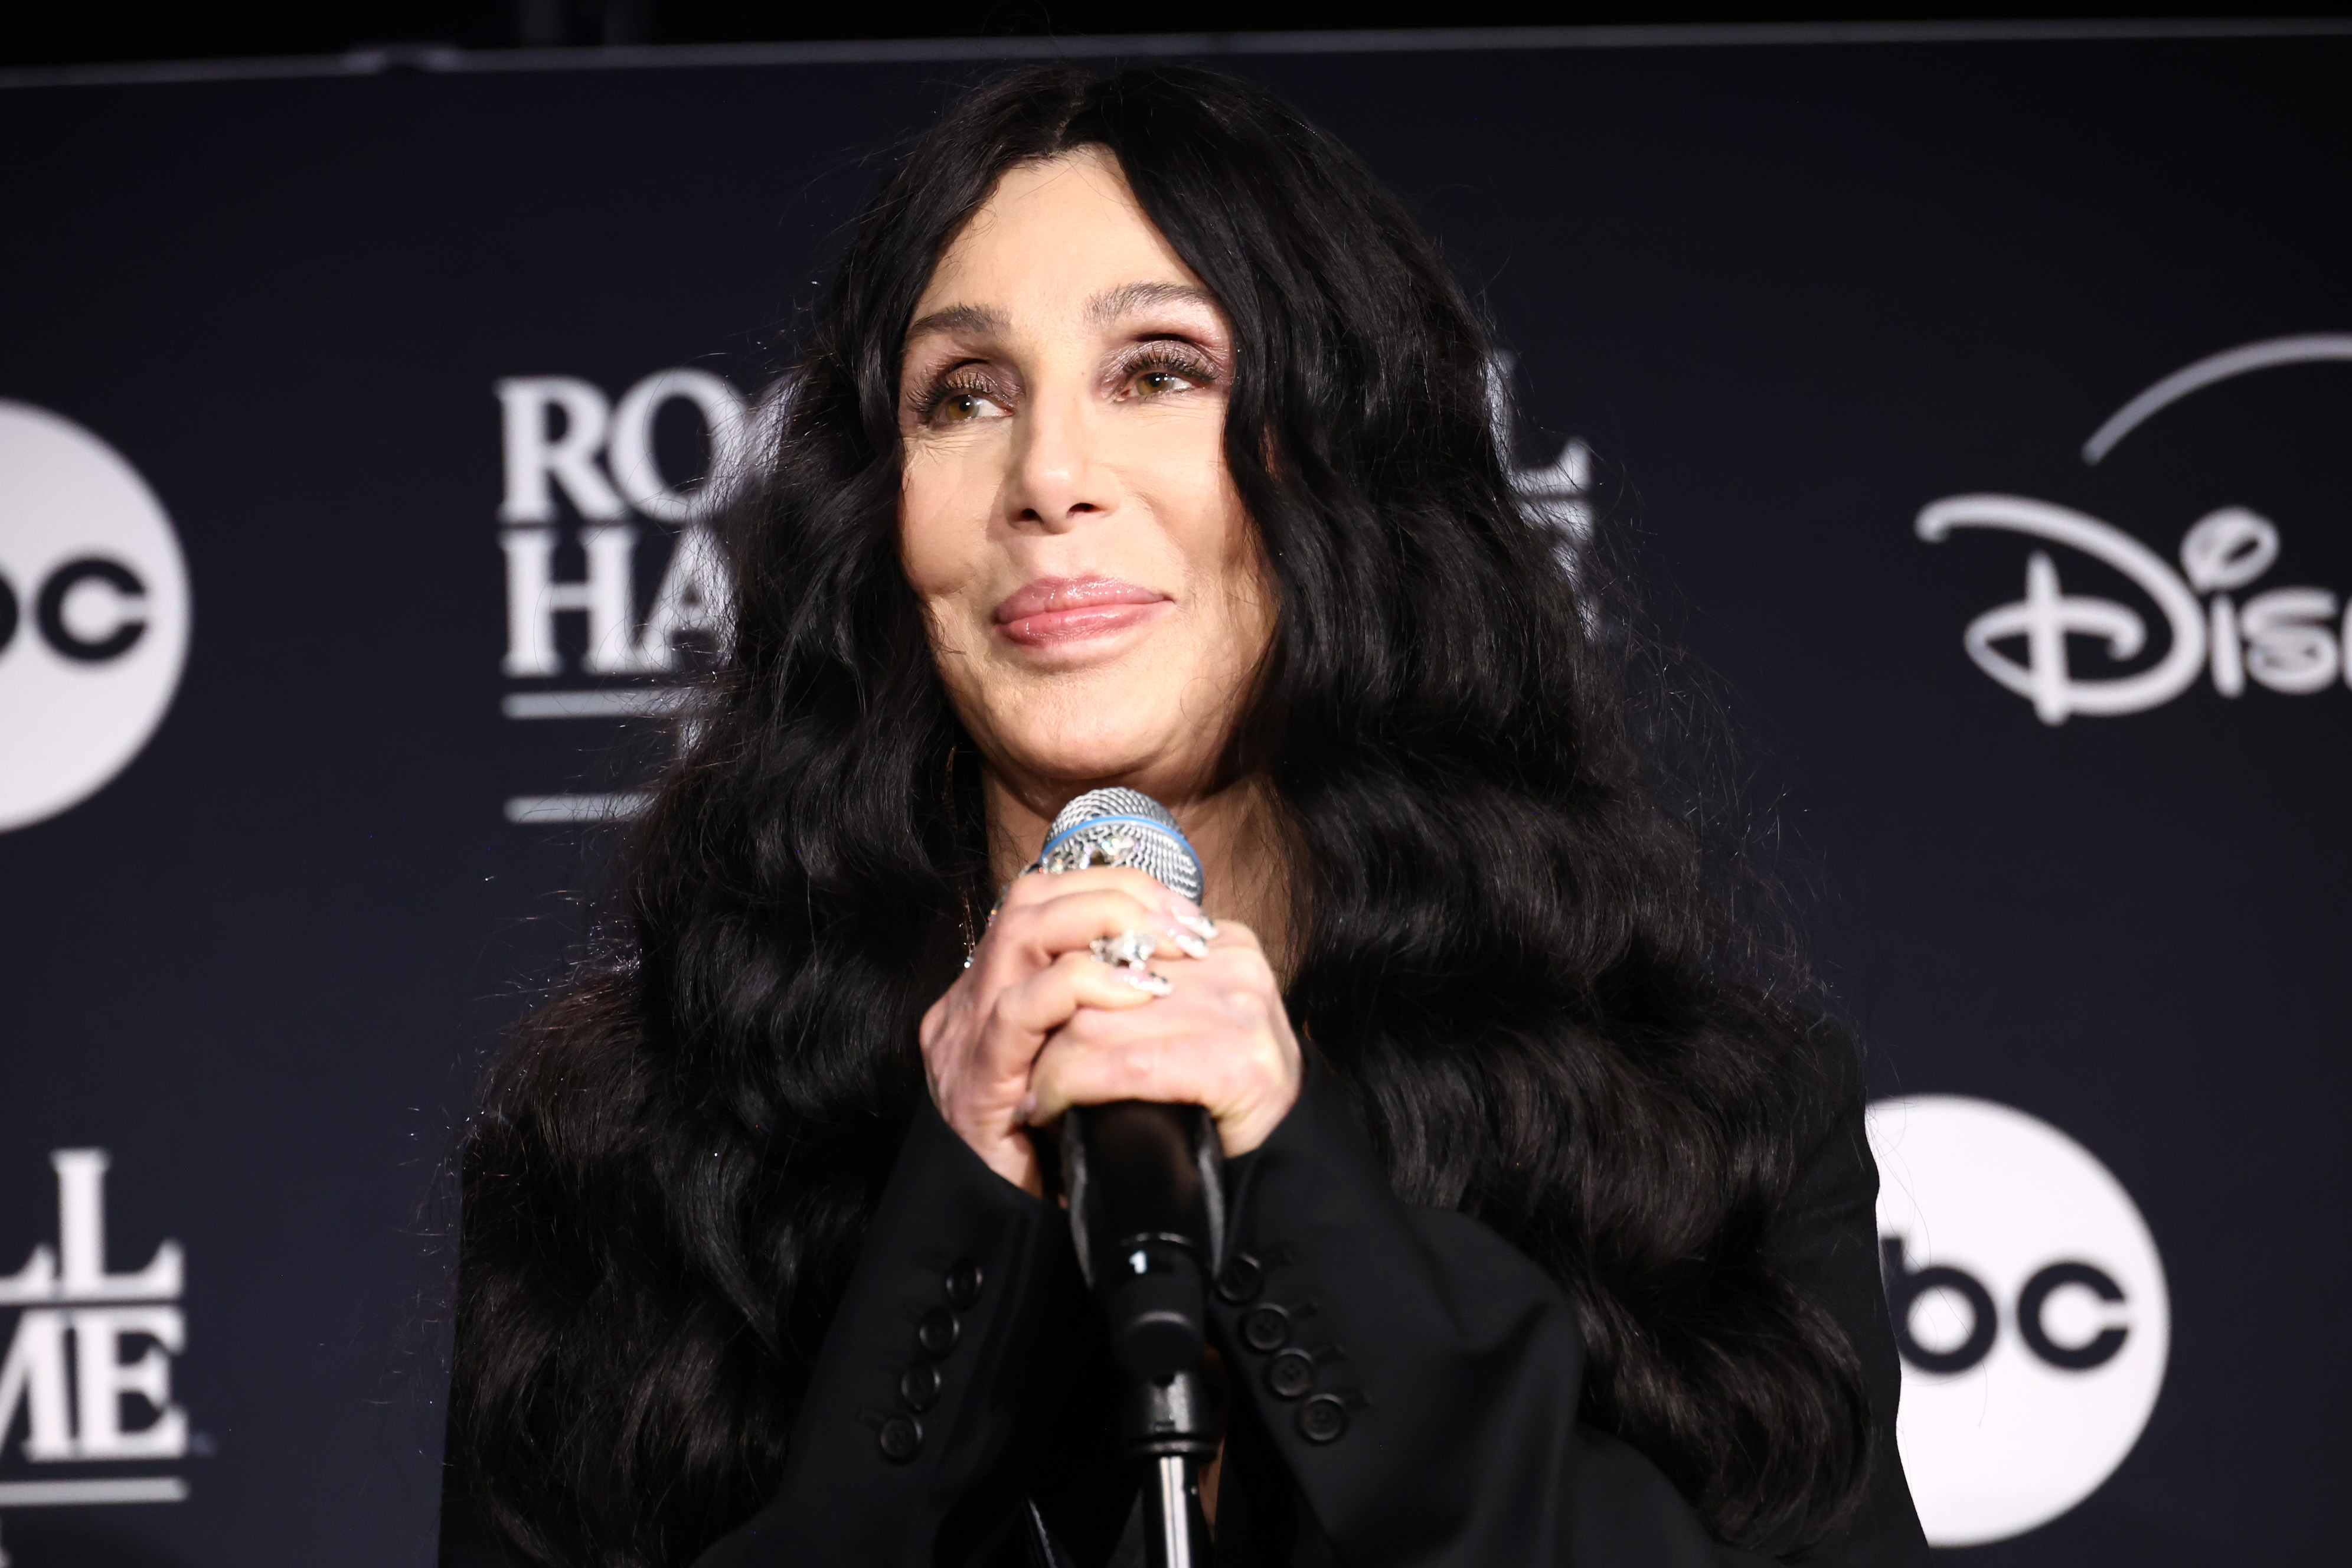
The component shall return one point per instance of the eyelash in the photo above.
(1163, 358)
(964, 380)
(1170, 359)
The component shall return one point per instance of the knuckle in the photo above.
(1005, 1012)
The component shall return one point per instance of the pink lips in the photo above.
(1070, 609)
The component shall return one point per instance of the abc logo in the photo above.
(2030, 1307)
(93, 614)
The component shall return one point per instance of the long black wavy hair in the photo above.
(1516, 950)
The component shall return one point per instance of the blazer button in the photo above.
(1242, 1279)
(1288, 1375)
(1266, 1328)
(964, 1280)
(937, 1331)
(1322, 1418)
(901, 1438)
(918, 1385)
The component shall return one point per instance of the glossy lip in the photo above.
(1053, 610)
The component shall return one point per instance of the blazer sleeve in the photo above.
(1827, 1246)
(1420, 1375)
(910, 1433)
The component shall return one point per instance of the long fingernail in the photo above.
(1191, 946)
(1147, 981)
(1179, 905)
(1199, 924)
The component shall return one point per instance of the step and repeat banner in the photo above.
(1983, 404)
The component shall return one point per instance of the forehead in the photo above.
(1049, 238)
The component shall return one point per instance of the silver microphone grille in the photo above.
(1123, 827)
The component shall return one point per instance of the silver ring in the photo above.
(1130, 952)
(1128, 949)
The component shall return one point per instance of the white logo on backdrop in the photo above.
(1557, 495)
(66, 1367)
(2287, 639)
(93, 614)
(2028, 1305)
(565, 439)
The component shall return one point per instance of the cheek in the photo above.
(1206, 521)
(936, 546)
(1229, 549)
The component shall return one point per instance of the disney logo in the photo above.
(2286, 640)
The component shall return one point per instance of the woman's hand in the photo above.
(1219, 1039)
(1038, 1024)
(1031, 973)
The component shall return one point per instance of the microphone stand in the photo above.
(1146, 1184)
(1169, 1425)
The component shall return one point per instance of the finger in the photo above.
(1041, 932)
(1238, 1024)
(1070, 1072)
(1246, 1078)
(1021, 942)
(1235, 935)
(1039, 886)
(1025, 1014)
(1036, 887)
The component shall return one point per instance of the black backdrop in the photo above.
(1789, 296)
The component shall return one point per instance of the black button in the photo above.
(1266, 1328)
(964, 1280)
(901, 1438)
(918, 1385)
(1290, 1374)
(1242, 1279)
(937, 1331)
(1322, 1418)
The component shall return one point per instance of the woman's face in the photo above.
(1094, 591)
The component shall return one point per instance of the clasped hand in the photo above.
(1038, 1024)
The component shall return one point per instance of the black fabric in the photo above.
(1455, 1362)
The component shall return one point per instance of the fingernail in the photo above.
(1179, 905)
(1147, 981)
(1025, 1109)
(1198, 924)
(1191, 946)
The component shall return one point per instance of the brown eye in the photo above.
(964, 405)
(1152, 383)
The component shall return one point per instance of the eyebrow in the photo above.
(977, 320)
(981, 320)
(1128, 297)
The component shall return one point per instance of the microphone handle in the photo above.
(1146, 1184)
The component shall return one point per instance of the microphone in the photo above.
(1145, 1181)
(1145, 1185)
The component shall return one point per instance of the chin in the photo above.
(1093, 747)
(1122, 720)
(1091, 763)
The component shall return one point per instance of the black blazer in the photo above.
(959, 1411)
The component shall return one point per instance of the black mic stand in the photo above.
(1146, 1184)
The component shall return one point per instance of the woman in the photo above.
(1144, 440)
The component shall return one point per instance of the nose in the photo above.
(1056, 483)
